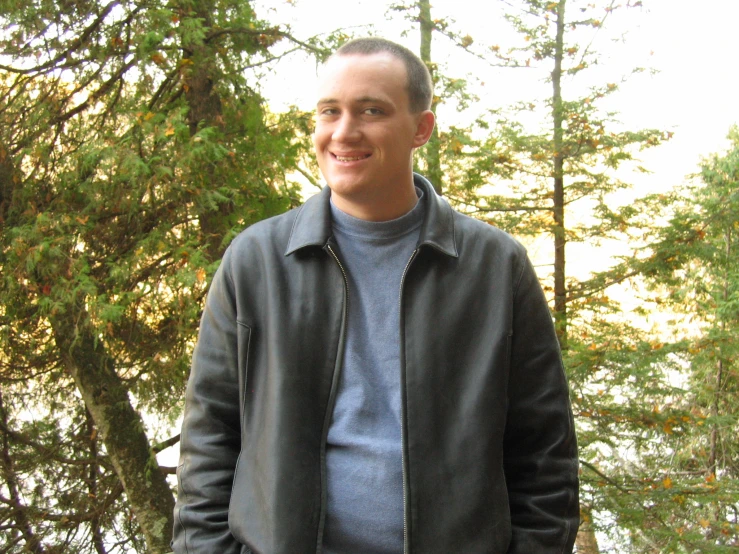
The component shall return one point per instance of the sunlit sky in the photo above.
(691, 46)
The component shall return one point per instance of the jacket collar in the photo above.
(312, 225)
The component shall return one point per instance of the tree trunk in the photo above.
(560, 290)
(715, 437)
(206, 110)
(120, 426)
(8, 176)
(586, 542)
(97, 536)
(432, 151)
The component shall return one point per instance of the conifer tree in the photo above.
(564, 176)
(134, 144)
(527, 169)
(691, 463)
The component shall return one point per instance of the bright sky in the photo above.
(691, 46)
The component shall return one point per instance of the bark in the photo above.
(432, 153)
(715, 437)
(205, 110)
(95, 530)
(119, 425)
(715, 412)
(8, 176)
(560, 291)
(586, 542)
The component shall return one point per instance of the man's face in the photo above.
(365, 132)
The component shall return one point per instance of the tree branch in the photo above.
(157, 448)
(71, 48)
(105, 87)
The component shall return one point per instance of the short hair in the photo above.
(420, 86)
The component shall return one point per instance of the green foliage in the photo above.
(133, 147)
(561, 161)
(670, 482)
(694, 267)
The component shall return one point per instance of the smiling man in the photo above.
(366, 130)
(375, 372)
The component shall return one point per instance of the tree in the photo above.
(691, 268)
(442, 159)
(133, 146)
(432, 154)
(570, 164)
(561, 182)
(550, 167)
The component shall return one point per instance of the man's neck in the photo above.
(379, 208)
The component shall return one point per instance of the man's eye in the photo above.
(373, 111)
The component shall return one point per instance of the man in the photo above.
(376, 373)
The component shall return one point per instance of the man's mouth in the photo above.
(351, 158)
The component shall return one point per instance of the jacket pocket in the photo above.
(508, 346)
(243, 338)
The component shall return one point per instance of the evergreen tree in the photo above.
(133, 146)
(691, 267)
(528, 169)
(560, 180)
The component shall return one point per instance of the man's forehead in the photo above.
(367, 76)
(356, 60)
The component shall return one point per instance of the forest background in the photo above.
(137, 138)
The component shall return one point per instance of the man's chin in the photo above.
(344, 185)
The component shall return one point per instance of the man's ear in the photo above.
(424, 127)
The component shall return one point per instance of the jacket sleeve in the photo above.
(540, 450)
(210, 438)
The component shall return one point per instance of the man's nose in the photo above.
(347, 129)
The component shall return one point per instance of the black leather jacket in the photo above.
(489, 453)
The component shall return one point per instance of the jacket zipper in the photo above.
(331, 401)
(403, 407)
